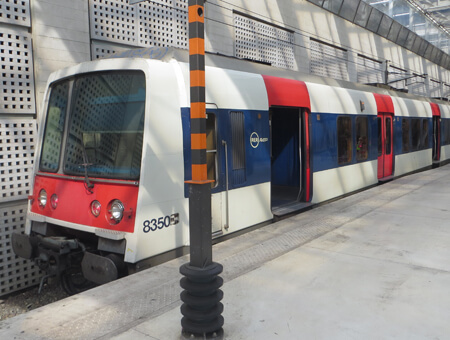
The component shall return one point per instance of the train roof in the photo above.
(167, 54)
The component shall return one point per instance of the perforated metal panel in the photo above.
(113, 20)
(369, 71)
(15, 273)
(260, 41)
(15, 12)
(102, 50)
(328, 60)
(153, 23)
(17, 77)
(163, 23)
(16, 158)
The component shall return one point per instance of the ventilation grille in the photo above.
(369, 71)
(259, 41)
(15, 273)
(328, 61)
(16, 158)
(154, 23)
(17, 79)
(15, 12)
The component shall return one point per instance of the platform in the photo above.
(374, 265)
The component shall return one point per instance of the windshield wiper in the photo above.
(87, 183)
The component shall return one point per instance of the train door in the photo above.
(385, 145)
(436, 132)
(289, 159)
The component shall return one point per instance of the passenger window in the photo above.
(424, 143)
(211, 148)
(344, 136)
(361, 138)
(238, 146)
(415, 130)
(380, 142)
(388, 136)
(405, 135)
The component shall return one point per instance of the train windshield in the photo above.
(105, 123)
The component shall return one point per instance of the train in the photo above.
(109, 194)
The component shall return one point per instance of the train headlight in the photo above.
(115, 211)
(96, 207)
(42, 199)
(54, 201)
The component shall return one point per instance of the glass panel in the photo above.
(394, 31)
(106, 125)
(416, 45)
(374, 20)
(332, 5)
(388, 135)
(54, 127)
(385, 26)
(211, 148)
(362, 14)
(344, 135)
(410, 40)
(348, 9)
(362, 137)
(380, 139)
(401, 39)
(317, 2)
(405, 135)
(415, 134)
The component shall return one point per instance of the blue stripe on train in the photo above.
(257, 159)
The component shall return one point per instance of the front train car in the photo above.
(89, 177)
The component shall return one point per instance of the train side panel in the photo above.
(445, 119)
(415, 114)
(332, 176)
(162, 211)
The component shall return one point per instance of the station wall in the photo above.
(40, 36)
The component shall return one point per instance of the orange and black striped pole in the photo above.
(201, 296)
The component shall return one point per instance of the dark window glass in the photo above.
(106, 125)
(424, 143)
(54, 127)
(415, 134)
(405, 135)
(211, 148)
(380, 141)
(410, 40)
(362, 136)
(237, 136)
(388, 136)
(344, 136)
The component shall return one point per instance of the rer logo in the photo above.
(255, 140)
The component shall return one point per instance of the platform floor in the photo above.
(374, 265)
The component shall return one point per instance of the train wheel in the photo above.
(73, 281)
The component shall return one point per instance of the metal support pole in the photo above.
(201, 296)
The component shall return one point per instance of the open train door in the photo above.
(436, 132)
(385, 121)
(291, 175)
